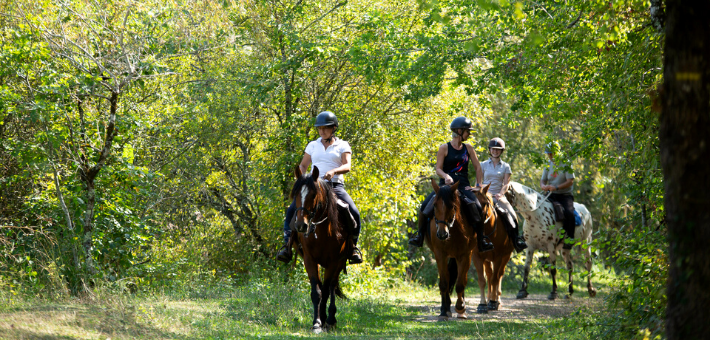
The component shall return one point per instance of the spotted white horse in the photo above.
(542, 233)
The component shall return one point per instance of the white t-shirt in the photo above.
(327, 159)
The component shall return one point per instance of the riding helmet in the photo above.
(552, 147)
(326, 118)
(496, 143)
(461, 123)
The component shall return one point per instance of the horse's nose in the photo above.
(442, 235)
(300, 227)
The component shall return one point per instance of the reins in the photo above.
(543, 199)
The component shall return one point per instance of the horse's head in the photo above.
(521, 197)
(310, 196)
(486, 201)
(446, 208)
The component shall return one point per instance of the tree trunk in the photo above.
(685, 157)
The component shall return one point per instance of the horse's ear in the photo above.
(314, 173)
(297, 172)
(484, 189)
(435, 186)
(455, 186)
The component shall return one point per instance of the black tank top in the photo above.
(456, 165)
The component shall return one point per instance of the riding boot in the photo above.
(423, 217)
(512, 228)
(285, 254)
(418, 239)
(567, 241)
(472, 214)
(356, 256)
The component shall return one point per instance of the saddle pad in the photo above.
(577, 218)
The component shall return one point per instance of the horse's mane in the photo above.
(531, 196)
(325, 197)
(447, 195)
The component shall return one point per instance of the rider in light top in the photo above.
(332, 157)
(452, 161)
(497, 173)
(561, 184)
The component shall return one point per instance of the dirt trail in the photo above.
(535, 306)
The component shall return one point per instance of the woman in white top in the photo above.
(332, 157)
(497, 173)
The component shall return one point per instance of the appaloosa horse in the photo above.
(543, 233)
(452, 241)
(324, 243)
(494, 261)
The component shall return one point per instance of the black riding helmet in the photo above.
(460, 123)
(327, 118)
(496, 143)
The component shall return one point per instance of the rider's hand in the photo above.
(448, 180)
(328, 175)
(498, 196)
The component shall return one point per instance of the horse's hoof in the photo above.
(462, 315)
(448, 314)
(443, 318)
(552, 296)
(522, 294)
(482, 308)
(329, 327)
(592, 292)
(316, 329)
(493, 305)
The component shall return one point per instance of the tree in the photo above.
(685, 155)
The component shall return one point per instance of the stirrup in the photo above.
(484, 244)
(284, 254)
(417, 240)
(356, 257)
(519, 244)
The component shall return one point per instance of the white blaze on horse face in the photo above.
(304, 193)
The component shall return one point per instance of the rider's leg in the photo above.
(568, 224)
(472, 208)
(284, 254)
(339, 190)
(510, 220)
(425, 213)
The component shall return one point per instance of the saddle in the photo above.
(560, 214)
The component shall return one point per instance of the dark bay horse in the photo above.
(492, 262)
(452, 241)
(324, 244)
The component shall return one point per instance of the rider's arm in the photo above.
(506, 181)
(305, 163)
(566, 184)
(543, 180)
(343, 169)
(440, 155)
(476, 164)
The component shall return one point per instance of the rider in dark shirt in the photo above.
(452, 161)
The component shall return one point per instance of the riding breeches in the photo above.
(567, 202)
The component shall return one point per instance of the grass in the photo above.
(278, 306)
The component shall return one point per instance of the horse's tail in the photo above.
(339, 292)
(453, 274)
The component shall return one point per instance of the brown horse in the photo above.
(452, 242)
(494, 261)
(323, 243)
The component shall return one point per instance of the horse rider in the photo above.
(496, 173)
(332, 157)
(560, 183)
(452, 161)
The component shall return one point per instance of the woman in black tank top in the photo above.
(452, 161)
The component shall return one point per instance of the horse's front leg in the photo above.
(461, 280)
(482, 304)
(333, 284)
(313, 277)
(490, 279)
(588, 255)
(568, 261)
(523, 292)
(553, 274)
(443, 268)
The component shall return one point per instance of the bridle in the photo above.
(311, 224)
